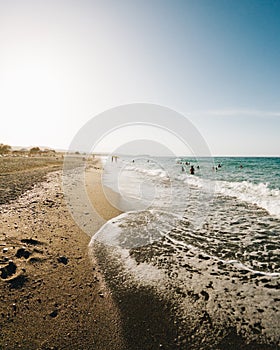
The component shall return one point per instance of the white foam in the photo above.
(144, 271)
(109, 232)
(236, 263)
(150, 172)
(259, 194)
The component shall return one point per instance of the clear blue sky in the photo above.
(215, 61)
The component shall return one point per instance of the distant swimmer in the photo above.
(192, 170)
(241, 166)
(183, 169)
(198, 167)
(219, 165)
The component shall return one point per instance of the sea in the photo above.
(208, 241)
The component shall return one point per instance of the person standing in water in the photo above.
(192, 170)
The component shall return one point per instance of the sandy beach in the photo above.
(52, 296)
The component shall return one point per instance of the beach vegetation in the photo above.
(5, 149)
(34, 150)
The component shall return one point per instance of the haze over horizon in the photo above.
(214, 61)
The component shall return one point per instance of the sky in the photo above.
(217, 62)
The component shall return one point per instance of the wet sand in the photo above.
(210, 307)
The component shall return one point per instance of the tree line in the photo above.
(7, 149)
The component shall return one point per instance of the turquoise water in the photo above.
(253, 180)
(231, 211)
(235, 169)
(255, 170)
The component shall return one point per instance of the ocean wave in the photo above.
(138, 229)
(246, 191)
(157, 172)
(259, 194)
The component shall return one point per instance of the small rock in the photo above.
(54, 313)
(63, 260)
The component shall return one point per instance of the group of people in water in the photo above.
(217, 167)
(192, 169)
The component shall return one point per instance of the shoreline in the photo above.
(58, 296)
